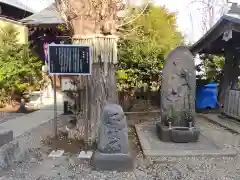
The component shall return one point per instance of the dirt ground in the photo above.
(72, 147)
(15, 109)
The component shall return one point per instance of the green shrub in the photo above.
(17, 65)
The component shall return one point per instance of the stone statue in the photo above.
(22, 108)
(113, 151)
(178, 91)
(113, 131)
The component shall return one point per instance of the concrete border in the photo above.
(25, 123)
(195, 153)
(148, 152)
(224, 122)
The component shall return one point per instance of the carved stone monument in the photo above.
(178, 98)
(113, 150)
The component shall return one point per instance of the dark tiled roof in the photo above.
(50, 15)
(17, 4)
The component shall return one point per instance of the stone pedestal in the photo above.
(163, 132)
(185, 135)
(113, 150)
(177, 134)
(112, 162)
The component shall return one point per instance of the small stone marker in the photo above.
(85, 155)
(56, 154)
(113, 150)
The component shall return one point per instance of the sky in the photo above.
(185, 12)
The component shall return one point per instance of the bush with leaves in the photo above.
(213, 69)
(143, 47)
(19, 69)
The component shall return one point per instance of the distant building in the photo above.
(11, 12)
(14, 10)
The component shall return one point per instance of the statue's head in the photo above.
(112, 113)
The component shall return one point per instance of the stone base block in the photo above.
(177, 134)
(6, 136)
(185, 135)
(112, 162)
(164, 133)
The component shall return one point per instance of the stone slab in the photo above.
(57, 153)
(153, 147)
(112, 162)
(6, 136)
(85, 155)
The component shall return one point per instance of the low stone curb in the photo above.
(226, 124)
(195, 153)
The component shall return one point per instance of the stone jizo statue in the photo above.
(113, 150)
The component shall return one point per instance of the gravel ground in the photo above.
(40, 167)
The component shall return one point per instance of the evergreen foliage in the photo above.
(19, 69)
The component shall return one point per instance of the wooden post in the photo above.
(55, 111)
(235, 72)
(227, 77)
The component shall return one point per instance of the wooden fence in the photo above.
(127, 102)
(232, 104)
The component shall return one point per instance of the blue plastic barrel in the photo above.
(206, 96)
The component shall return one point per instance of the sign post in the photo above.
(69, 60)
(55, 108)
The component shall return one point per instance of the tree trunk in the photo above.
(94, 23)
(102, 90)
(100, 85)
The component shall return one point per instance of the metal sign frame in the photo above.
(71, 45)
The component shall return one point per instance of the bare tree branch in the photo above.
(208, 10)
(101, 14)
